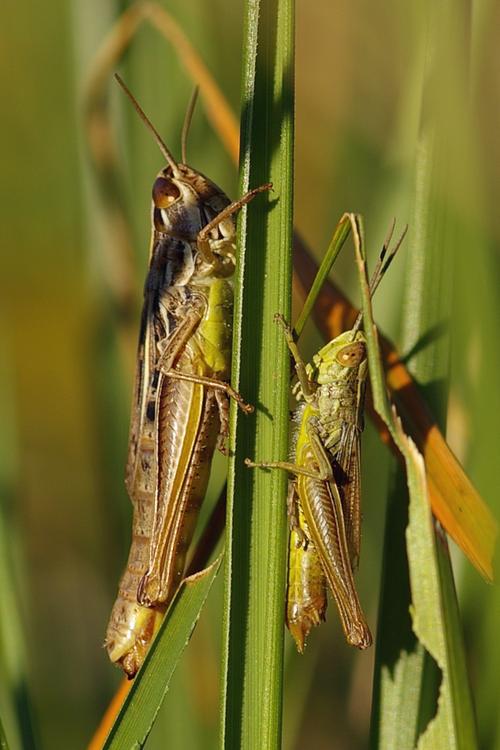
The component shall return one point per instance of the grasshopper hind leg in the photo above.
(306, 597)
(223, 405)
(292, 505)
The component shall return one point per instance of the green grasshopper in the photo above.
(180, 406)
(324, 496)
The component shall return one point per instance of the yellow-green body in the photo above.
(324, 495)
(325, 534)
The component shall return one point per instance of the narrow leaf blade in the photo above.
(141, 706)
(434, 609)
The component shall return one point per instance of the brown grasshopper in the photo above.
(180, 406)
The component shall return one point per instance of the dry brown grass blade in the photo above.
(111, 51)
(102, 145)
(118, 252)
(117, 245)
(107, 721)
(217, 108)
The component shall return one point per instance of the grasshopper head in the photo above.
(339, 358)
(184, 201)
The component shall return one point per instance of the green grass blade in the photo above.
(434, 609)
(136, 717)
(340, 234)
(256, 526)
(436, 621)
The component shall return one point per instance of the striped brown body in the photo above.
(186, 328)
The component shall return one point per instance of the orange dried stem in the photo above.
(112, 711)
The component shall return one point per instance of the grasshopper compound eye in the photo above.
(352, 355)
(165, 192)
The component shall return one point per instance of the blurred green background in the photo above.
(365, 103)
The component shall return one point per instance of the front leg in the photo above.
(300, 367)
(292, 505)
(203, 241)
(324, 473)
(286, 466)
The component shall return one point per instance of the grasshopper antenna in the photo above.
(187, 122)
(161, 144)
(384, 261)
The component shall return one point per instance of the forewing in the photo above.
(324, 516)
(170, 262)
(349, 483)
(142, 423)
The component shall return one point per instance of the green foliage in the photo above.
(256, 524)
(375, 117)
(434, 612)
